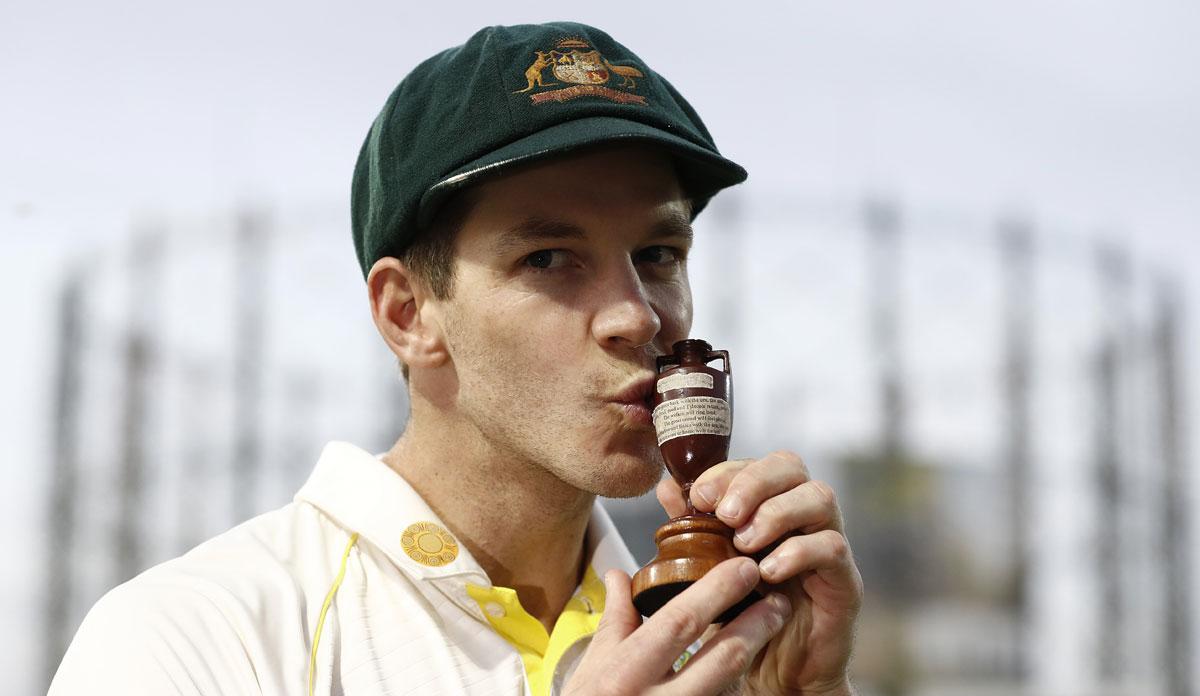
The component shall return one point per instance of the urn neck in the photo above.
(692, 351)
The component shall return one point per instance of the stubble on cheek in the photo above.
(508, 383)
(544, 406)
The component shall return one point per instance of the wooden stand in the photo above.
(688, 547)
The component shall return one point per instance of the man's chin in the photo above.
(629, 477)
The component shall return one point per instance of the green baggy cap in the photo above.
(509, 96)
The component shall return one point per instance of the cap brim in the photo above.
(702, 173)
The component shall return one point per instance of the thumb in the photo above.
(670, 496)
(620, 617)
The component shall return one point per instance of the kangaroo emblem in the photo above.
(582, 70)
(534, 73)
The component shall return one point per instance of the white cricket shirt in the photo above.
(413, 614)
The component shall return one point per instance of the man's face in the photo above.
(570, 280)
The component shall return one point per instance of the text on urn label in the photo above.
(687, 380)
(691, 415)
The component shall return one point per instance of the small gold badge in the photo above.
(429, 544)
(575, 62)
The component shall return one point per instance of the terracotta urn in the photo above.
(693, 416)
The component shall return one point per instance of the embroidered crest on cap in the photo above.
(574, 61)
(429, 544)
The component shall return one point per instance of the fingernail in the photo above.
(730, 506)
(745, 535)
(706, 492)
(768, 567)
(749, 573)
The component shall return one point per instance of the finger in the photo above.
(810, 507)
(670, 496)
(826, 554)
(759, 480)
(710, 486)
(654, 647)
(619, 618)
(731, 652)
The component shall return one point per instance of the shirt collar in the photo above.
(363, 494)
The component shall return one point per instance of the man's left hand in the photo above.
(772, 504)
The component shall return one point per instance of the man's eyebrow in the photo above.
(534, 229)
(674, 226)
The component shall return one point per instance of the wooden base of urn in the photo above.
(688, 547)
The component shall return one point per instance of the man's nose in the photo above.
(625, 317)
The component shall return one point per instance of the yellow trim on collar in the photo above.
(539, 652)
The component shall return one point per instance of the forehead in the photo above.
(629, 187)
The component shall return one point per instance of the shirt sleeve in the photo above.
(140, 640)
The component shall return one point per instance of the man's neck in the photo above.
(524, 526)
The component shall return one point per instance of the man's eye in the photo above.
(659, 255)
(547, 258)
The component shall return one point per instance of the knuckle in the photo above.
(824, 493)
(794, 549)
(749, 482)
(859, 591)
(731, 466)
(737, 656)
(722, 470)
(788, 555)
(787, 457)
(679, 622)
(768, 518)
(838, 545)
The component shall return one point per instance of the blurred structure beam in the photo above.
(250, 258)
(304, 396)
(1114, 271)
(1016, 241)
(132, 462)
(730, 306)
(882, 220)
(195, 491)
(1176, 547)
(60, 585)
(144, 275)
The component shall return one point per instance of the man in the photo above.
(524, 242)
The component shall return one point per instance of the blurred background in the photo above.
(958, 282)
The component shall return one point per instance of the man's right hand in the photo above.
(629, 656)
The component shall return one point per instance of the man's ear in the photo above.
(398, 306)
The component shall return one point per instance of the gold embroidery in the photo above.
(627, 74)
(429, 544)
(534, 73)
(574, 61)
(561, 95)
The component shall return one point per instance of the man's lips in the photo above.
(640, 392)
(636, 400)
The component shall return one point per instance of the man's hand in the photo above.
(772, 505)
(628, 657)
